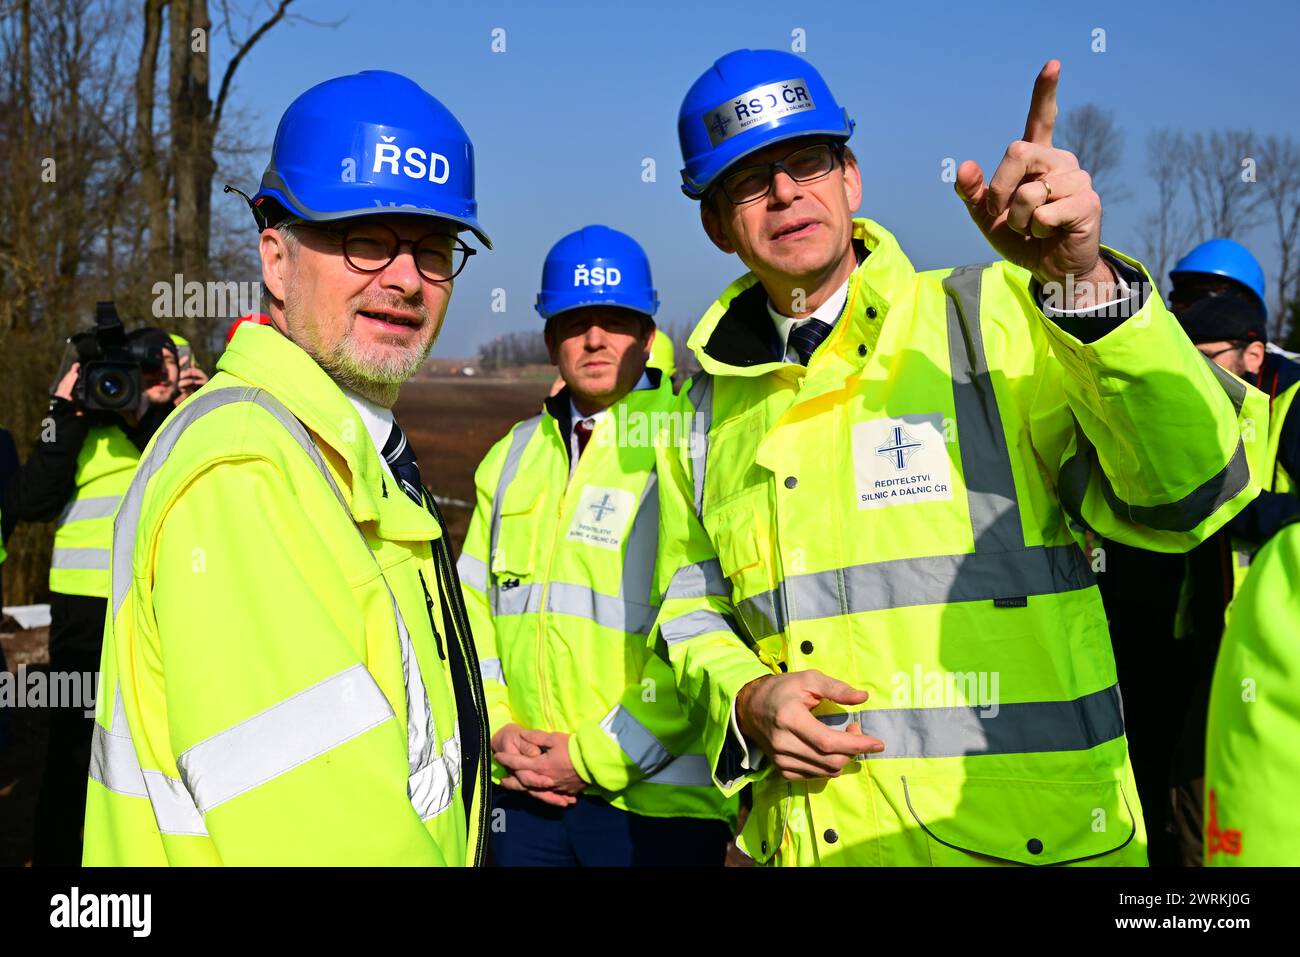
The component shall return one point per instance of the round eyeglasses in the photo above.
(371, 247)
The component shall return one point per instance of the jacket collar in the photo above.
(736, 336)
(266, 359)
(556, 407)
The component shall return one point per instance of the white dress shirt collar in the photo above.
(377, 420)
(828, 312)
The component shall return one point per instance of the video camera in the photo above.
(112, 368)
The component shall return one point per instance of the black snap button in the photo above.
(791, 481)
(830, 836)
(862, 350)
(763, 847)
(871, 312)
(806, 647)
(1035, 846)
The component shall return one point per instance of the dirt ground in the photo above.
(451, 422)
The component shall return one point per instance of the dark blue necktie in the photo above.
(401, 459)
(806, 337)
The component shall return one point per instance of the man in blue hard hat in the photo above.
(311, 693)
(598, 760)
(1168, 611)
(890, 475)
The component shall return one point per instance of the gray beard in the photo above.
(378, 382)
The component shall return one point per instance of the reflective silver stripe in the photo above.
(84, 509)
(1230, 384)
(518, 441)
(637, 582)
(635, 740)
(85, 559)
(490, 669)
(566, 598)
(518, 600)
(435, 772)
(689, 770)
(927, 580)
(128, 517)
(114, 764)
(283, 737)
(1016, 728)
(699, 581)
(693, 625)
(173, 807)
(608, 611)
(701, 397)
(986, 461)
(1180, 516)
(473, 572)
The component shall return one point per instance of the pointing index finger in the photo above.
(1042, 107)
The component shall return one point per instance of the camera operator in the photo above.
(80, 468)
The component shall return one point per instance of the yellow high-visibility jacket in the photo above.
(274, 686)
(84, 531)
(559, 582)
(1252, 768)
(905, 514)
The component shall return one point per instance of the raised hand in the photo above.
(1040, 210)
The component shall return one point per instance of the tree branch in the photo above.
(233, 65)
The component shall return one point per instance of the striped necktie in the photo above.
(401, 459)
(806, 337)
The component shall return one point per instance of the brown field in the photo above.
(453, 422)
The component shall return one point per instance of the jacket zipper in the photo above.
(546, 594)
(469, 654)
(428, 607)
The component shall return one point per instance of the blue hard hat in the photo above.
(596, 266)
(372, 142)
(747, 100)
(1227, 258)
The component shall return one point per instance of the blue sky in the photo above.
(584, 92)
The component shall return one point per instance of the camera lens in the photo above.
(111, 389)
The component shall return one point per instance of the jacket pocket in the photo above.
(512, 556)
(732, 529)
(988, 820)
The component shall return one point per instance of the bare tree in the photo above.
(513, 349)
(107, 173)
(1279, 178)
(1221, 178)
(1090, 133)
(1164, 232)
(179, 196)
